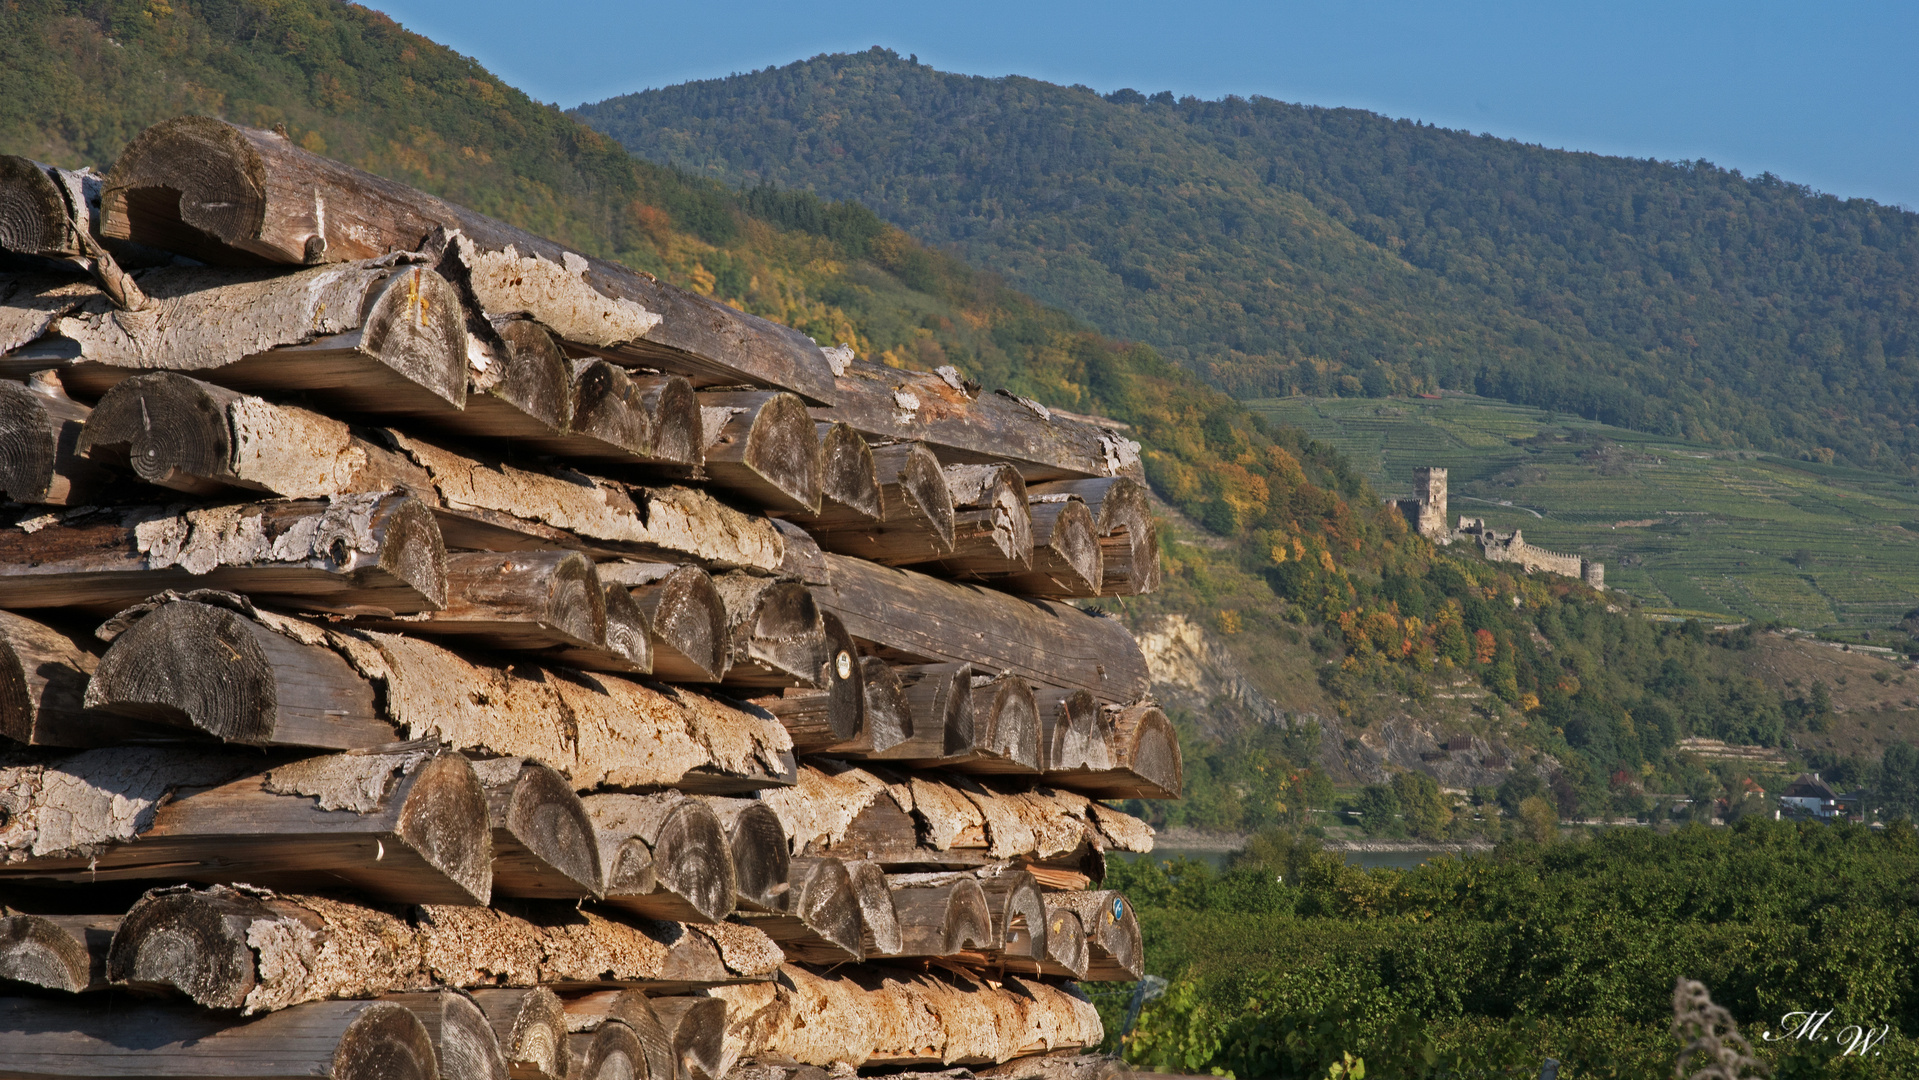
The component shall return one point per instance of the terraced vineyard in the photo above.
(1683, 528)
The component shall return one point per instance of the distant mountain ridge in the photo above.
(1280, 248)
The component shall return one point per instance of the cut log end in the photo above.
(172, 431)
(849, 478)
(463, 1040)
(437, 822)
(38, 435)
(687, 627)
(35, 951)
(761, 859)
(544, 841)
(192, 943)
(763, 446)
(33, 211)
(386, 1042)
(531, 1028)
(696, 1028)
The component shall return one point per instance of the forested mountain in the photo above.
(1279, 248)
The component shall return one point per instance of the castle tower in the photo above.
(1429, 492)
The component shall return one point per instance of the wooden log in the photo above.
(962, 428)
(531, 1028)
(871, 1017)
(1066, 553)
(519, 384)
(879, 922)
(1145, 763)
(1020, 927)
(408, 824)
(39, 431)
(1074, 734)
(195, 667)
(1114, 953)
(916, 511)
(1066, 954)
(463, 1039)
(992, 525)
(354, 553)
(696, 1029)
(1063, 1065)
(940, 914)
(60, 952)
(36, 213)
(849, 477)
(609, 1052)
(820, 922)
(693, 875)
(369, 338)
(278, 203)
(914, 618)
(684, 616)
(193, 436)
(630, 418)
(43, 686)
(939, 698)
(635, 1012)
(775, 633)
(1006, 729)
(544, 842)
(761, 857)
(340, 1040)
(761, 447)
(1129, 542)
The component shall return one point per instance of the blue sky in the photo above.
(1821, 94)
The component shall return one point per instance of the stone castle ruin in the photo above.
(1426, 513)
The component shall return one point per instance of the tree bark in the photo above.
(1146, 760)
(939, 698)
(761, 854)
(919, 619)
(940, 914)
(368, 339)
(43, 687)
(408, 824)
(340, 1040)
(820, 921)
(56, 952)
(886, 403)
(531, 1028)
(226, 193)
(1066, 553)
(696, 1029)
(776, 635)
(544, 843)
(849, 478)
(693, 875)
(762, 447)
(1112, 934)
(354, 553)
(39, 430)
(463, 1040)
(1129, 541)
(916, 511)
(685, 618)
(1006, 729)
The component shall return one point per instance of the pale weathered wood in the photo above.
(775, 632)
(684, 616)
(1075, 735)
(939, 698)
(1066, 552)
(192, 436)
(887, 403)
(640, 1031)
(696, 1029)
(1129, 541)
(1066, 954)
(1020, 928)
(693, 877)
(631, 418)
(544, 842)
(43, 686)
(1146, 762)
(849, 477)
(760, 446)
(353, 553)
(340, 1040)
(39, 430)
(1063, 1065)
(200, 668)
(408, 824)
(879, 921)
(940, 914)
(1006, 729)
(920, 619)
(60, 952)
(225, 193)
(992, 525)
(30, 304)
(519, 384)
(367, 338)
(761, 852)
(820, 921)
(463, 1040)
(1114, 953)
(609, 1052)
(916, 517)
(531, 1028)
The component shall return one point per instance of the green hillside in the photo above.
(1684, 527)
(1282, 249)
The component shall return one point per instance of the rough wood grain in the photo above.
(49, 222)
(761, 852)
(519, 384)
(939, 698)
(463, 1040)
(531, 1028)
(820, 921)
(226, 193)
(760, 446)
(1146, 761)
(340, 1040)
(684, 616)
(1006, 729)
(407, 824)
(36, 217)
(1129, 541)
(635, 1013)
(43, 686)
(776, 636)
(1114, 953)
(695, 1027)
(849, 477)
(879, 920)
(353, 553)
(544, 841)
(1076, 737)
(609, 1052)
(1066, 552)
(916, 518)
(66, 953)
(39, 432)
(693, 878)
(630, 418)
(941, 914)
(1020, 927)
(992, 525)
(920, 619)
(1066, 954)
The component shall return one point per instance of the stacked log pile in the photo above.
(427, 651)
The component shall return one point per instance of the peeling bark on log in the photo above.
(1066, 553)
(693, 875)
(43, 687)
(1145, 758)
(940, 914)
(1074, 733)
(761, 446)
(992, 525)
(685, 618)
(939, 698)
(378, 553)
(761, 856)
(1006, 729)
(916, 511)
(56, 952)
(531, 1028)
(367, 338)
(775, 632)
(544, 842)
(849, 480)
(874, 1017)
(630, 418)
(194, 667)
(463, 1040)
(696, 1029)
(408, 824)
(227, 193)
(1066, 954)
(886, 403)
(920, 619)
(340, 1040)
(1129, 541)
(192, 436)
(1113, 947)
(820, 922)
(39, 432)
